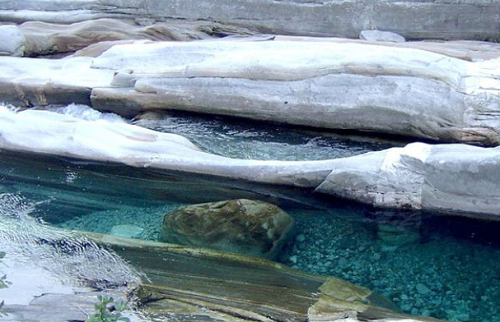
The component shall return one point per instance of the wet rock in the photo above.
(422, 289)
(242, 226)
(383, 36)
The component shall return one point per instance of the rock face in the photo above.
(325, 84)
(242, 226)
(414, 19)
(40, 38)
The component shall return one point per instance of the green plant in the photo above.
(108, 311)
(3, 284)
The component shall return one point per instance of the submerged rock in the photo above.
(242, 226)
(128, 231)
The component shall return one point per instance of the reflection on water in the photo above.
(39, 260)
(440, 266)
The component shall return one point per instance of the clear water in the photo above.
(250, 140)
(445, 267)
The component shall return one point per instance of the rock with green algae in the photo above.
(194, 284)
(243, 226)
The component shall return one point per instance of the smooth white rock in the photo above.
(12, 41)
(456, 179)
(378, 35)
(354, 86)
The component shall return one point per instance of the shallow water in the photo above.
(252, 140)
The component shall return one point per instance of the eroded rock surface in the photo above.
(242, 226)
(414, 19)
(456, 179)
(325, 84)
(36, 38)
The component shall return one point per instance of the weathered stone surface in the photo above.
(191, 283)
(324, 84)
(12, 41)
(26, 82)
(40, 38)
(414, 19)
(177, 282)
(378, 35)
(455, 179)
(243, 226)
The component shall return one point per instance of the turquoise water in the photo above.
(445, 267)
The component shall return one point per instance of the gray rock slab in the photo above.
(413, 19)
(40, 38)
(452, 179)
(336, 85)
(12, 41)
(32, 82)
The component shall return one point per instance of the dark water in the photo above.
(445, 267)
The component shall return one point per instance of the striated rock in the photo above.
(202, 284)
(454, 179)
(324, 84)
(242, 226)
(334, 85)
(40, 38)
(414, 19)
(378, 35)
(45, 38)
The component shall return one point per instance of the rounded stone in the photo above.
(243, 226)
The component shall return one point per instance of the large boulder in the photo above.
(242, 226)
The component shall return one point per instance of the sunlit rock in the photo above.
(324, 84)
(242, 226)
(35, 38)
(378, 35)
(12, 41)
(417, 19)
(454, 179)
